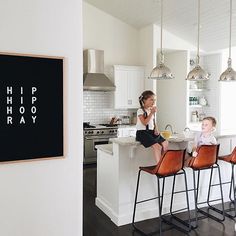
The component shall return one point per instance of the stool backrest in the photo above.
(171, 162)
(233, 156)
(207, 156)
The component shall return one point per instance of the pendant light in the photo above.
(161, 71)
(229, 74)
(197, 73)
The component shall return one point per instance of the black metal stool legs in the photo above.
(233, 200)
(187, 222)
(160, 203)
(222, 212)
(135, 201)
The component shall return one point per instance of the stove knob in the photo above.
(90, 132)
(85, 132)
(98, 132)
(102, 132)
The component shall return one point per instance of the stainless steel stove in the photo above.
(96, 135)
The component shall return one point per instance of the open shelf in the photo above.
(199, 90)
(198, 106)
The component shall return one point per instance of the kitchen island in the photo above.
(117, 168)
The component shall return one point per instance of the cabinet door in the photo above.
(135, 86)
(121, 96)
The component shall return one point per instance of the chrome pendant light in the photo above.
(197, 73)
(161, 71)
(229, 74)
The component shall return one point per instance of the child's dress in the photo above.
(146, 134)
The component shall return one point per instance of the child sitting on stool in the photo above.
(205, 137)
(147, 132)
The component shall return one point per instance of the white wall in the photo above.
(227, 97)
(105, 32)
(172, 94)
(146, 55)
(170, 41)
(44, 198)
(149, 47)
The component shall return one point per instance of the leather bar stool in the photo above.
(207, 160)
(170, 165)
(231, 159)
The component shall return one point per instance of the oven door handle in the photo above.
(97, 138)
(101, 140)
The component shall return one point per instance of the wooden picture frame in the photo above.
(32, 108)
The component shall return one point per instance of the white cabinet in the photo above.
(129, 131)
(129, 81)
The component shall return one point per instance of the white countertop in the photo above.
(132, 141)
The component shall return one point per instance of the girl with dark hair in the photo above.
(147, 131)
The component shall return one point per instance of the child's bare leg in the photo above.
(157, 151)
(165, 146)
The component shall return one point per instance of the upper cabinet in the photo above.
(129, 82)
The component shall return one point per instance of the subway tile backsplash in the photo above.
(99, 107)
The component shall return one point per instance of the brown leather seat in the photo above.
(207, 156)
(229, 158)
(171, 162)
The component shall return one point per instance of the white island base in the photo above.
(117, 169)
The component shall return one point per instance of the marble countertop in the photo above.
(132, 141)
(226, 136)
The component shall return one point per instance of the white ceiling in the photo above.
(180, 18)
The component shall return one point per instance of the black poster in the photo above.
(31, 107)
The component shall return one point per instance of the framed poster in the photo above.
(31, 107)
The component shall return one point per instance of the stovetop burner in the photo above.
(109, 125)
(87, 125)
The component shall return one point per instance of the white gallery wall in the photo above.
(105, 32)
(44, 198)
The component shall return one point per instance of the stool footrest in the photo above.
(179, 210)
(146, 200)
(214, 200)
(225, 212)
(212, 185)
(184, 230)
(210, 215)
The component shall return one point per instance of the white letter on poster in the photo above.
(9, 110)
(9, 90)
(34, 89)
(9, 100)
(9, 120)
(22, 110)
(21, 90)
(33, 110)
(22, 120)
(34, 118)
(21, 100)
(33, 99)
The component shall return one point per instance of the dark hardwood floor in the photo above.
(96, 223)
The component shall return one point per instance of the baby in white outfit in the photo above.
(205, 137)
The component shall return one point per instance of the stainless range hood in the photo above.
(94, 77)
